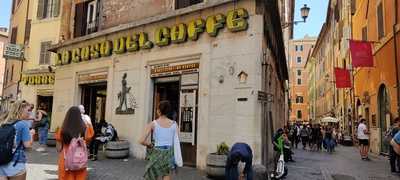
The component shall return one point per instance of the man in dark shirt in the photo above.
(239, 152)
(394, 158)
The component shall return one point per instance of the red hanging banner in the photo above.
(342, 78)
(361, 53)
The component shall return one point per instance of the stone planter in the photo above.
(117, 149)
(51, 139)
(216, 165)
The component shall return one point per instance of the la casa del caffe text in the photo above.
(213, 66)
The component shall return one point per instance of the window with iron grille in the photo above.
(44, 53)
(48, 9)
(299, 81)
(186, 3)
(299, 72)
(381, 30)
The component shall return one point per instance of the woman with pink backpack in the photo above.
(71, 145)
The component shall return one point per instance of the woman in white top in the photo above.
(161, 156)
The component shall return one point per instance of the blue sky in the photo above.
(5, 7)
(315, 19)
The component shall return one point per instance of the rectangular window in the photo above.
(353, 7)
(86, 18)
(364, 33)
(299, 72)
(44, 53)
(299, 114)
(27, 31)
(299, 99)
(186, 3)
(13, 7)
(48, 9)
(298, 60)
(299, 81)
(301, 47)
(381, 30)
(14, 32)
(296, 47)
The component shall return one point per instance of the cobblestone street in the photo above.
(344, 164)
(43, 166)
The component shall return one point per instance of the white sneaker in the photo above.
(40, 149)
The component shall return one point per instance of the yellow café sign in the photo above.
(235, 21)
(38, 79)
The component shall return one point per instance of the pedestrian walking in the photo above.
(394, 158)
(318, 136)
(42, 124)
(362, 135)
(304, 136)
(15, 138)
(71, 139)
(297, 135)
(162, 159)
(240, 152)
(310, 139)
(86, 118)
(328, 140)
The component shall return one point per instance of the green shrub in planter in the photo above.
(222, 149)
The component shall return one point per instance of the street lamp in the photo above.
(304, 14)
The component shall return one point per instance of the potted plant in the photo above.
(216, 161)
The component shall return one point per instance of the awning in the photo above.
(329, 120)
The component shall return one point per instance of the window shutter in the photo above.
(56, 8)
(27, 30)
(353, 7)
(40, 10)
(47, 52)
(42, 53)
(80, 20)
(364, 33)
(13, 7)
(14, 32)
(381, 32)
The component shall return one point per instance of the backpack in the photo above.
(76, 155)
(7, 140)
(388, 136)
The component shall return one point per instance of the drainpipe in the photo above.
(22, 61)
(395, 55)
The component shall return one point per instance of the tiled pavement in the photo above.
(43, 166)
(344, 164)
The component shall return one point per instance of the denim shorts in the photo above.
(10, 170)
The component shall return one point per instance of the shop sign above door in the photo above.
(38, 79)
(14, 51)
(235, 21)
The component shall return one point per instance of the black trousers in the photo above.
(394, 158)
(94, 146)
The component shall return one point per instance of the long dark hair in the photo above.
(73, 125)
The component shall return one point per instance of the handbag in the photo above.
(177, 150)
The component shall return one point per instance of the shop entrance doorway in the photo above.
(94, 99)
(184, 111)
(47, 102)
